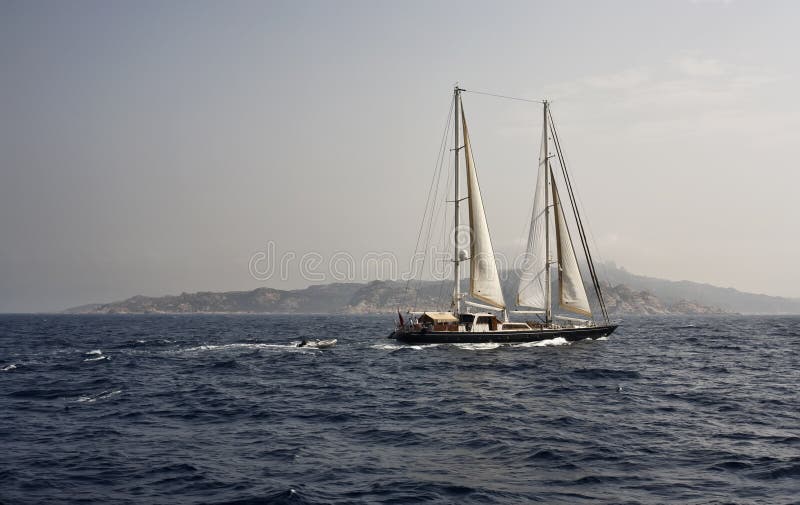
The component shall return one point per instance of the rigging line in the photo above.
(502, 96)
(435, 211)
(571, 194)
(445, 229)
(581, 228)
(433, 217)
(436, 173)
(441, 230)
(593, 243)
(592, 240)
(576, 211)
(445, 226)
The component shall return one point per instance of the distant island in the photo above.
(626, 294)
(354, 298)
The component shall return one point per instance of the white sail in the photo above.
(570, 282)
(533, 278)
(484, 280)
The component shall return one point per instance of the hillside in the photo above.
(728, 299)
(373, 297)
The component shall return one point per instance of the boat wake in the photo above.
(487, 346)
(494, 345)
(397, 347)
(249, 346)
(477, 347)
(545, 343)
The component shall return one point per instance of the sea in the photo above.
(225, 409)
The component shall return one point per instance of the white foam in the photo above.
(98, 358)
(478, 347)
(94, 351)
(394, 347)
(274, 347)
(546, 343)
(387, 347)
(100, 396)
(602, 338)
(8, 368)
(487, 346)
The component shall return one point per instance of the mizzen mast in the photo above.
(456, 199)
(548, 314)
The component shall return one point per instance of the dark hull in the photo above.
(501, 337)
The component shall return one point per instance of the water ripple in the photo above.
(228, 410)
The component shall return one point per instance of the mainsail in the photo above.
(570, 282)
(484, 280)
(533, 278)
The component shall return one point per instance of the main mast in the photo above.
(548, 312)
(456, 258)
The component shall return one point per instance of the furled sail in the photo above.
(484, 280)
(533, 278)
(570, 282)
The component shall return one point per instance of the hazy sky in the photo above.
(154, 147)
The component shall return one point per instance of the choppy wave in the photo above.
(221, 409)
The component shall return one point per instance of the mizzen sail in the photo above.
(484, 280)
(570, 283)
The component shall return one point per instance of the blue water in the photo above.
(222, 409)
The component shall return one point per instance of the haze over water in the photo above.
(152, 148)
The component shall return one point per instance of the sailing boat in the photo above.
(549, 245)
